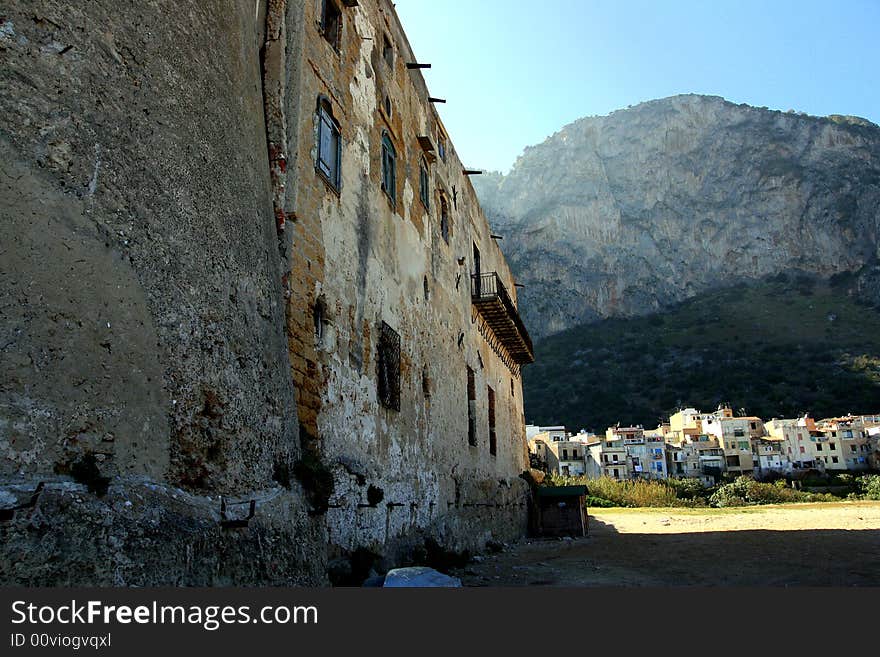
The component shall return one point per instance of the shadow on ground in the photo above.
(715, 558)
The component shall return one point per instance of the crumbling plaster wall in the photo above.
(141, 301)
(367, 259)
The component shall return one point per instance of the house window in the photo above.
(493, 439)
(444, 218)
(802, 449)
(424, 186)
(834, 459)
(387, 104)
(389, 165)
(388, 367)
(565, 455)
(819, 447)
(441, 145)
(425, 289)
(331, 22)
(832, 447)
(387, 51)
(329, 144)
(852, 448)
(738, 432)
(472, 407)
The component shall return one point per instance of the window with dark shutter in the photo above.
(472, 407)
(331, 22)
(329, 145)
(389, 166)
(424, 185)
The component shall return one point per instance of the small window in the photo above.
(444, 218)
(426, 383)
(819, 447)
(387, 104)
(425, 289)
(441, 145)
(318, 319)
(387, 51)
(834, 459)
(424, 184)
(388, 367)
(329, 145)
(493, 439)
(832, 447)
(472, 407)
(331, 22)
(389, 166)
(564, 454)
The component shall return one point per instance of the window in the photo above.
(444, 218)
(424, 185)
(738, 432)
(331, 22)
(441, 145)
(832, 447)
(329, 144)
(852, 448)
(318, 320)
(493, 440)
(818, 447)
(834, 459)
(389, 165)
(387, 51)
(425, 289)
(388, 367)
(472, 407)
(387, 105)
(426, 383)
(564, 454)
(614, 457)
(802, 449)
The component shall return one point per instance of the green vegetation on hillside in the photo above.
(778, 349)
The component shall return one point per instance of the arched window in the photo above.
(424, 184)
(389, 166)
(329, 144)
(444, 218)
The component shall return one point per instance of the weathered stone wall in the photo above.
(399, 477)
(141, 302)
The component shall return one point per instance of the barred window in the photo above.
(388, 367)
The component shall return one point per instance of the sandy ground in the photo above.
(774, 545)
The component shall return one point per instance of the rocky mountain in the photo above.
(630, 213)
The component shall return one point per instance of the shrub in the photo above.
(868, 486)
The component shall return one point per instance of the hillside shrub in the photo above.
(744, 491)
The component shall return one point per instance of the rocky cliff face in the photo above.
(625, 214)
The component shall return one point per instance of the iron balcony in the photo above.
(491, 299)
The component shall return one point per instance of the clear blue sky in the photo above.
(515, 71)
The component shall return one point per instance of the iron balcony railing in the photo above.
(490, 297)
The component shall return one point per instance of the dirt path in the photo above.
(778, 545)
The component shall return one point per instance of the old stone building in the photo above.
(405, 339)
(239, 315)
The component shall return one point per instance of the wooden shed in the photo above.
(560, 511)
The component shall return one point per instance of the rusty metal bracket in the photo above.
(232, 523)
